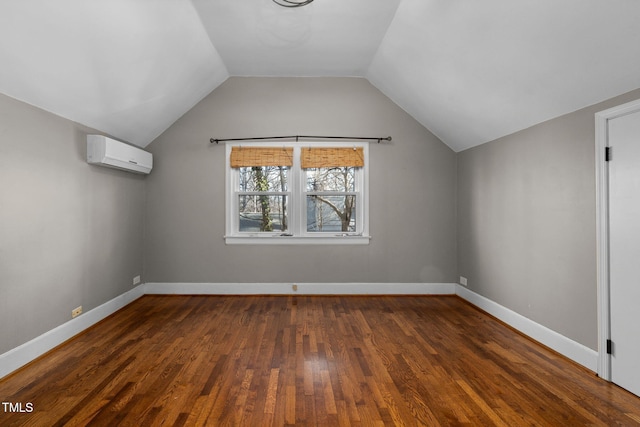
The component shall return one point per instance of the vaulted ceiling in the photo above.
(468, 70)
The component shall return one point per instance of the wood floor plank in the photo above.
(312, 361)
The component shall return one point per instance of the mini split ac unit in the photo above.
(103, 151)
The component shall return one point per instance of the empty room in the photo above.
(319, 212)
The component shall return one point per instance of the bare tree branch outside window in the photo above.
(331, 199)
(263, 198)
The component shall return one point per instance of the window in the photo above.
(331, 199)
(297, 193)
(262, 198)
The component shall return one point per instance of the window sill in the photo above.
(293, 240)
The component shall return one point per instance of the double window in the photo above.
(297, 193)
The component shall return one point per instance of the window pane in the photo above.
(331, 179)
(262, 213)
(331, 213)
(264, 178)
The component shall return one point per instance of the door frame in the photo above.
(602, 230)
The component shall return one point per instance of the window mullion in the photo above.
(297, 196)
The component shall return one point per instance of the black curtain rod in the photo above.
(298, 137)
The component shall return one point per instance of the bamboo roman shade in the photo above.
(261, 156)
(320, 157)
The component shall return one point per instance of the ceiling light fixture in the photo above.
(292, 3)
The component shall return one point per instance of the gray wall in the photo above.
(526, 222)
(412, 181)
(70, 233)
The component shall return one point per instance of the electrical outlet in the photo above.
(136, 280)
(295, 288)
(463, 281)
(76, 312)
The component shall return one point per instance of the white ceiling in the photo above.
(469, 70)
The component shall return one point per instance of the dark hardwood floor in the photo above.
(284, 360)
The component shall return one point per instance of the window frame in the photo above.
(297, 222)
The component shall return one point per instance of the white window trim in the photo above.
(297, 209)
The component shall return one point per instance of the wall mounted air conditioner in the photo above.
(103, 151)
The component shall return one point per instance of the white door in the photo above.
(624, 250)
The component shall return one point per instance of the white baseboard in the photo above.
(27, 352)
(563, 345)
(301, 288)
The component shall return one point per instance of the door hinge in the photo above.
(609, 347)
(607, 154)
